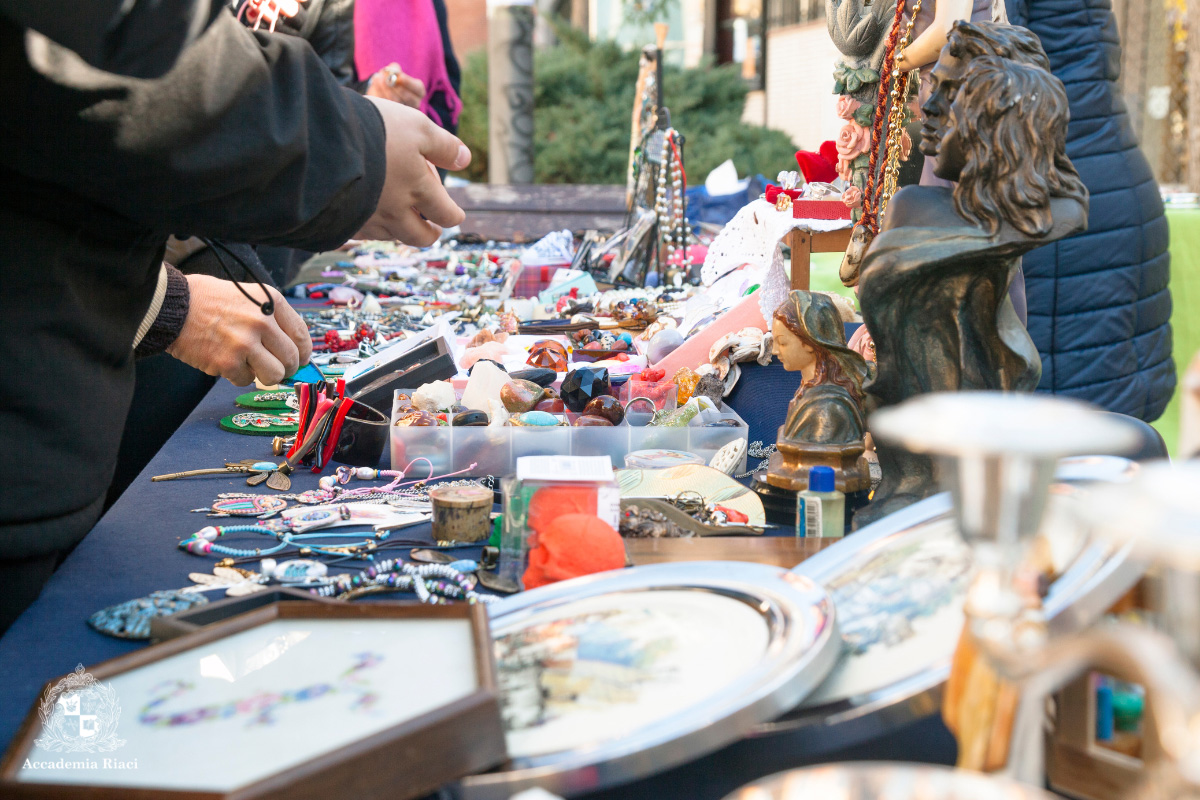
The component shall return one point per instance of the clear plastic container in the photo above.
(494, 451)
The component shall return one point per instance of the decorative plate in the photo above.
(611, 677)
(714, 485)
(660, 459)
(883, 780)
(899, 586)
(260, 423)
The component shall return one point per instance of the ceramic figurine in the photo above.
(825, 424)
(934, 286)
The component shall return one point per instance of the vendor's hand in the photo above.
(390, 83)
(412, 189)
(227, 335)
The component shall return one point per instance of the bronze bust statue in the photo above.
(934, 283)
(825, 423)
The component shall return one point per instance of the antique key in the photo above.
(254, 466)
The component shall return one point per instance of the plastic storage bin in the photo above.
(494, 451)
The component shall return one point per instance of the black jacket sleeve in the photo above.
(247, 138)
(141, 38)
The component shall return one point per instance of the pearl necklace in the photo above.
(672, 226)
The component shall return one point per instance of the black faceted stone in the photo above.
(497, 363)
(542, 377)
(584, 384)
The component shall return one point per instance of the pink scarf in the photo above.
(406, 32)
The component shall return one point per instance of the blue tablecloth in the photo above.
(131, 552)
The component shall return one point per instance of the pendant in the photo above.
(131, 619)
(256, 506)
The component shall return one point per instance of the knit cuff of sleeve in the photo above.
(166, 315)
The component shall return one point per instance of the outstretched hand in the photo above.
(227, 335)
(414, 203)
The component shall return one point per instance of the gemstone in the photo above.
(605, 406)
(685, 381)
(722, 423)
(712, 387)
(663, 344)
(542, 377)
(486, 361)
(536, 419)
(520, 396)
(588, 421)
(417, 419)
(403, 402)
(551, 405)
(484, 384)
(470, 419)
(584, 384)
(434, 397)
(548, 354)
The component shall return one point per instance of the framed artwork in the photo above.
(611, 677)
(291, 700)
(899, 586)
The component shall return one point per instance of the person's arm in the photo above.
(926, 48)
(249, 138)
(140, 39)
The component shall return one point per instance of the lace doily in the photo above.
(754, 237)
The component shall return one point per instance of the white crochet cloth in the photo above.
(754, 237)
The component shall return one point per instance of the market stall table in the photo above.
(132, 552)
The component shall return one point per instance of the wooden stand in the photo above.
(805, 243)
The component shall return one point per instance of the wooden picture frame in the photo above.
(404, 760)
(163, 629)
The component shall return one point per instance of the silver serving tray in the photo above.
(894, 781)
(802, 646)
(1096, 578)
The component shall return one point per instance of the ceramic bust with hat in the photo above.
(825, 423)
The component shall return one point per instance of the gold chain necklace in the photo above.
(895, 124)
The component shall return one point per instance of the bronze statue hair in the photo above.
(1012, 121)
(831, 354)
(969, 40)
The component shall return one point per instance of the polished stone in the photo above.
(520, 396)
(584, 384)
(542, 377)
(470, 419)
(538, 419)
(589, 421)
(605, 406)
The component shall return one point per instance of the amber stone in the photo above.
(548, 354)
(417, 418)
(553, 405)
(584, 384)
(589, 421)
(685, 382)
(520, 396)
(403, 401)
(605, 406)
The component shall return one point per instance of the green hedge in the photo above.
(583, 99)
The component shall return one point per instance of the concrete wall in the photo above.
(799, 84)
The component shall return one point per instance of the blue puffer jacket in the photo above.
(1099, 307)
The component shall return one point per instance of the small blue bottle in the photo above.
(821, 508)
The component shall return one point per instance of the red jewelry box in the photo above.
(820, 209)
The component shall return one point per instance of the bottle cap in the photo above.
(821, 479)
